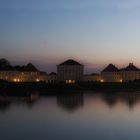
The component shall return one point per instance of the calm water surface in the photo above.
(78, 116)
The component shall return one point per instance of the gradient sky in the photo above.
(94, 32)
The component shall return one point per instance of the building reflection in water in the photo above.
(109, 100)
(130, 99)
(31, 100)
(70, 102)
(7, 101)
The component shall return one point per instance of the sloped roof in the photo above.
(110, 68)
(43, 73)
(92, 74)
(70, 62)
(95, 74)
(29, 67)
(6, 66)
(52, 73)
(130, 67)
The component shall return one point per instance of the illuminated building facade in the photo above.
(52, 78)
(92, 78)
(70, 72)
(130, 73)
(9, 75)
(28, 73)
(112, 74)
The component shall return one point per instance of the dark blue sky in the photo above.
(94, 32)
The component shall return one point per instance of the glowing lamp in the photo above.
(37, 80)
(102, 80)
(15, 80)
(121, 81)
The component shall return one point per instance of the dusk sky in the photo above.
(93, 32)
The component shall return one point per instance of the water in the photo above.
(78, 116)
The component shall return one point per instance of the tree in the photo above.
(4, 63)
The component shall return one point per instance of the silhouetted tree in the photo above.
(4, 63)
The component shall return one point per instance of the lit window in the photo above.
(16, 80)
(70, 81)
(121, 81)
(37, 80)
(102, 80)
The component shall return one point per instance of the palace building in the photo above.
(52, 78)
(130, 73)
(94, 77)
(27, 73)
(112, 74)
(70, 71)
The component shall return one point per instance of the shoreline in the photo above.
(58, 89)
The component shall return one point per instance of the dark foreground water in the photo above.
(78, 116)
